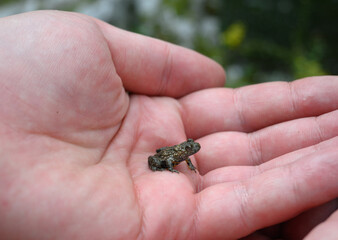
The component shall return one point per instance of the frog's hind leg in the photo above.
(190, 165)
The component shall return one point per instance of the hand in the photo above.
(74, 145)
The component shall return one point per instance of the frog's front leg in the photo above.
(190, 165)
(171, 165)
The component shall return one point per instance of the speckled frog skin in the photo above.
(169, 157)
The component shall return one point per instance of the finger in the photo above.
(327, 229)
(256, 236)
(235, 148)
(154, 67)
(253, 107)
(300, 226)
(239, 173)
(238, 208)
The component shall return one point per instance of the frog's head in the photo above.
(191, 146)
(155, 163)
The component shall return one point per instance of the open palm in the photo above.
(74, 144)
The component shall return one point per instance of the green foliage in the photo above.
(304, 67)
(180, 6)
(4, 2)
(280, 40)
(233, 36)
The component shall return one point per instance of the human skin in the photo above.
(83, 104)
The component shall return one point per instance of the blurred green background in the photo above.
(255, 40)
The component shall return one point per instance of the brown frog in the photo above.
(169, 157)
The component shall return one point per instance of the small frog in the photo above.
(169, 157)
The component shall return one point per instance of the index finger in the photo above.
(154, 67)
(257, 106)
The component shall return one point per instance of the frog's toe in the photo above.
(173, 170)
(192, 167)
(152, 168)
